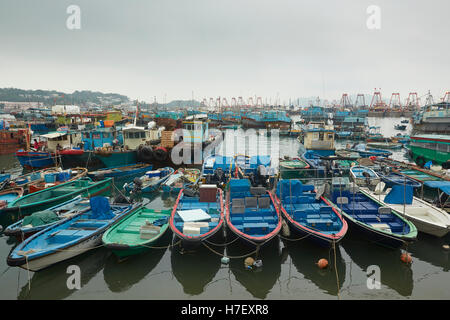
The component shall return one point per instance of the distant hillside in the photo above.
(47, 97)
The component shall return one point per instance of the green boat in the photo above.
(117, 158)
(293, 169)
(430, 147)
(138, 232)
(49, 197)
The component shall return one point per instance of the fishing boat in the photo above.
(55, 177)
(393, 178)
(149, 182)
(69, 237)
(318, 137)
(365, 214)
(430, 147)
(426, 217)
(36, 159)
(365, 152)
(40, 220)
(52, 196)
(385, 145)
(363, 176)
(196, 219)
(120, 171)
(293, 168)
(251, 213)
(137, 232)
(310, 214)
(348, 155)
(181, 179)
(315, 162)
(10, 195)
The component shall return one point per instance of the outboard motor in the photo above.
(137, 185)
(367, 176)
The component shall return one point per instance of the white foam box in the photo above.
(191, 229)
(197, 224)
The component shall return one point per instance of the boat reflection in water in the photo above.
(393, 272)
(429, 249)
(51, 283)
(196, 268)
(258, 281)
(121, 275)
(305, 255)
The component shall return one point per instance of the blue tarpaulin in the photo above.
(400, 194)
(100, 208)
(444, 186)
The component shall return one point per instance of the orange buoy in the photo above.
(322, 263)
(406, 258)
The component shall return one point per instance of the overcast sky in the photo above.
(296, 48)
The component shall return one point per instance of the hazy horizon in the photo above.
(171, 49)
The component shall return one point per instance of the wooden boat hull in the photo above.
(92, 190)
(126, 247)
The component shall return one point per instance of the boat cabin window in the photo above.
(96, 136)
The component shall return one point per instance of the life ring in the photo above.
(145, 154)
(160, 154)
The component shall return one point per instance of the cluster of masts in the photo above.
(413, 102)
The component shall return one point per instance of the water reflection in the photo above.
(394, 273)
(195, 269)
(51, 283)
(121, 275)
(428, 248)
(304, 256)
(260, 281)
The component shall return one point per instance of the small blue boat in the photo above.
(365, 214)
(251, 213)
(195, 219)
(68, 238)
(364, 176)
(365, 152)
(315, 162)
(149, 182)
(317, 219)
(120, 171)
(393, 178)
(40, 220)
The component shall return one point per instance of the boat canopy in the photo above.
(292, 188)
(400, 194)
(444, 186)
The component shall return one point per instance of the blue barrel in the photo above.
(50, 177)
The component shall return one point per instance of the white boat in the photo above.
(364, 176)
(426, 217)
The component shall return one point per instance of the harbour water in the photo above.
(289, 269)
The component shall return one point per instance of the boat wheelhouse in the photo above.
(319, 137)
